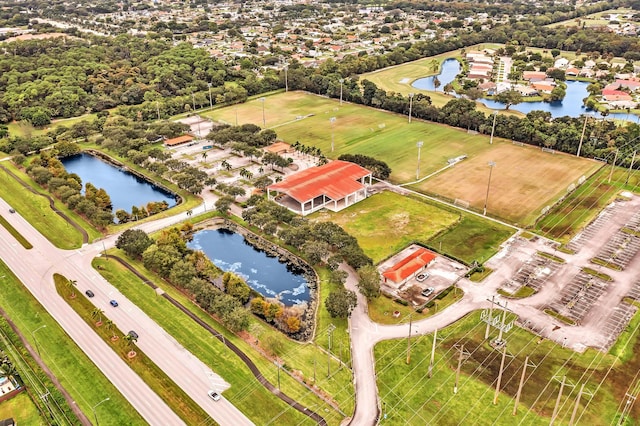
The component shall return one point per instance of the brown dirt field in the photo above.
(524, 180)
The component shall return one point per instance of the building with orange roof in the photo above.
(409, 266)
(279, 148)
(335, 186)
(179, 140)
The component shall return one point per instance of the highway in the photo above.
(35, 268)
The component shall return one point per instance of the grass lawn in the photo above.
(473, 238)
(176, 398)
(585, 203)
(523, 181)
(409, 397)
(22, 410)
(594, 19)
(382, 308)
(25, 129)
(70, 365)
(387, 222)
(245, 391)
(35, 209)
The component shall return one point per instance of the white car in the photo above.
(214, 395)
(428, 291)
(422, 276)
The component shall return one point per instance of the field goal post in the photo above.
(461, 203)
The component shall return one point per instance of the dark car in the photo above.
(113, 303)
(11, 210)
(89, 293)
(133, 334)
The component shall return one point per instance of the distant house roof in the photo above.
(335, 180)
(543, 86)
(572, 71)
(179, 140)
(409, 265)
(534, 75)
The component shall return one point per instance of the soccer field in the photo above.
(524, 180)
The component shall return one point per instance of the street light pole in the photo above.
(264, 120)
(410, 105)
(419, 145)
(95, 416)
(286, 77)
(210, 98)
(491, 166)
(332, 120)
(341, 81)
(33, 334)
(493, 128)
(584, 128)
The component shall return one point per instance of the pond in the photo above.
(125, 189)
(571, 105)
(450, 69)
(267, 275)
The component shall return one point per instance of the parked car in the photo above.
(422, 276)
(89, 293)
(428, 291)
(113, 303)
(214, 395)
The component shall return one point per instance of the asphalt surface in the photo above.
(35, 268)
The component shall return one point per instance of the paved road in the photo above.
(35, 269)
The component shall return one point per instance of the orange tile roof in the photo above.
(278, 147)
(178, 140)
(336, 180)
(409, 265)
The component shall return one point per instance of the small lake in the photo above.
(571, 105)
(267, 275)
(125, 189)
(450, 68)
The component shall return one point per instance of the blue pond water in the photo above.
(450, 68)
(267, 275)
(571, 105)
(125, 189)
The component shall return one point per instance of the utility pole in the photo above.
(497, 392)
(410, 105)
(555, 409)
(278, 367)
(577, 404)
(210, 98)
(504, 316)
(332, 120)
(584, 127)
(329, 332)
(615, 158)
(419, 145)
(341, 81)
(455, 387)
(493, 128)
(486, 333)
(409, 342)
(524, 371)
(633, 159)
(486, 200)
(627, 408)
(433, 352)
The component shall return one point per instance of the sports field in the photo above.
(523, 181)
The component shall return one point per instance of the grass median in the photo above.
(62, 356)
(245, 392)
(150, 373)
(14, 232)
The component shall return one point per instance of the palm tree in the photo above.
(111, 328)
(97, 313)
(72, 285)
(225, 165)
(130, 341)
(204, 155)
